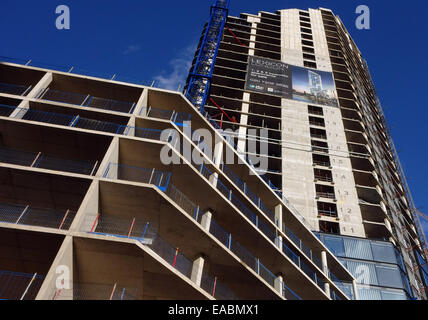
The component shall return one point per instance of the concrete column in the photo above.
(354, 287)
(278, 216)
(206, 221)
(218, 153)
(278, 242)
(197, 269)
(111, 156)
(19, 113)
(278, 285)
(42, 84)
(141, 106)
(58, 283)
(325, 270)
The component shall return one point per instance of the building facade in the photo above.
(90, 208)
(330, 154)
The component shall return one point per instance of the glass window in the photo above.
(369, 293)
(364, 273)
(389, 277)
(335, 245)
(358, 249)
(384, 252)
(393, 295)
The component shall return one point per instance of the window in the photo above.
(309, 56)
(318, 133)
(321, 160)
(320, 146)
(315, 110)
(323, 191)
(307, 43)
(309, 64)
(327, 209)
(317, 121)
(323, 175)
(309, 50)
(329, 227)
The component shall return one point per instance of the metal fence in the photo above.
(146, 233)
(93, 291)
(171, 115)
(32, 216)
(6, 110)
(39, 160)
(15, 89)
(158, 178)
(19, 286)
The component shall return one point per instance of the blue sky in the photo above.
(148, 40)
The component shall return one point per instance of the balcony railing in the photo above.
(319, 136)
(170, 115)
(39, 160)
(93, 291)
(39, 217)
(224, 237)
(6, 110)
(19, 286)
(326, 195)
(86, 100)
(146, 234)
(324, 178)
(14, 89)
(327, 213)
(70, 121)
(322, 163)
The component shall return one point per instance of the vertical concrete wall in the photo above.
(298, 172)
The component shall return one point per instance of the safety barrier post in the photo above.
(35, 159)
(22, 214)
(214, 285)
(175, 258)
(130, 229)
(112, 293)
(95, 223)
(63, 220)
(28, 286)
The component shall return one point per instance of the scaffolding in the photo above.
(201, 76)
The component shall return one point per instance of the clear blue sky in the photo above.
(148, 40)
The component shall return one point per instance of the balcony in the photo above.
(26, 259)
(226, 238)
(320, 160)
(86, 101)
(18, 81)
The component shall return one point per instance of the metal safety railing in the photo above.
(86, 100)
(6, 110)
(19, 286)
(78, 71)
(69, 120)
(146, 233)
(164, 114)
(95, 291)
(218, 232)
(39, 217)
(40, 160)
(18, 90)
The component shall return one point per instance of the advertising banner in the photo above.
(273, 77)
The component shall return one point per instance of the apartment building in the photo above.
(298, 75)
(89, 211)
